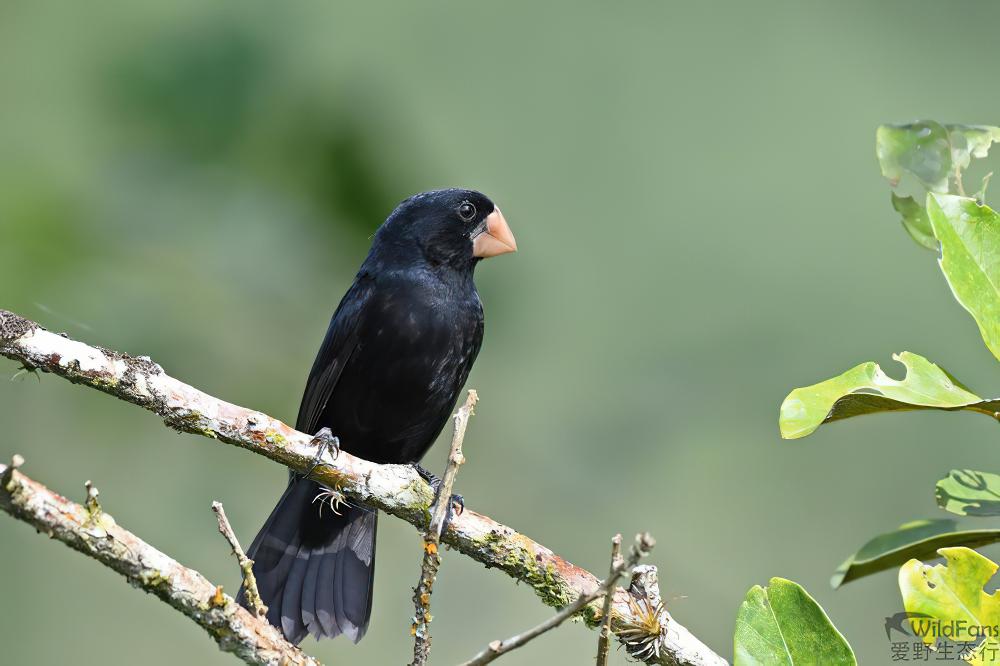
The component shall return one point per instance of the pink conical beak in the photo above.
(497, 239)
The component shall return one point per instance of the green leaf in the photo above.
(968, 141)
(915, 221)
(782, 624)
(970, 258)
(865, 389)
(967, 492)
(920, 538)
(922, 149)
(933, 153)
(951, 598)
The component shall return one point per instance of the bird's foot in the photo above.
(457, 504)
(430, 477)
(456, 507)
(332, 498)
(325, 440)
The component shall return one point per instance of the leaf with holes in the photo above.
(865, 389)
(952, 603)
(968, 141)
(922, 149)
(933, 153)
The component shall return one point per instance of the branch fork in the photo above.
(395, 489)
(91, 531)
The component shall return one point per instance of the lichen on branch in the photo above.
(395, 489)
(91, 531)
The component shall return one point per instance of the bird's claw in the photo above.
(326, 441)
(430, 477)
(457, 504)
(456, 507)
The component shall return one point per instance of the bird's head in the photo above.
(452, 227)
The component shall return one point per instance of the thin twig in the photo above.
(643, 544)
(603, 639)
(431, 562)
(395, 489)
(981, 194)
(246, 564)
(88, 529)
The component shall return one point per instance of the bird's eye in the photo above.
(467, 211)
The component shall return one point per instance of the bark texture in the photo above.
(396, 489)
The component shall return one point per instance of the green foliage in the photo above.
(966, 233)
(782, 624)
(967, 492)
(951, 601)
(921, 149)
(915, 221)
(865, 389)
(969, 233)
(919, 538)
(934, 154)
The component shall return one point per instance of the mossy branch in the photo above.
(496, 649)
(396, 489)
(89, 530)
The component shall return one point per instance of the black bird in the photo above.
(396, 355)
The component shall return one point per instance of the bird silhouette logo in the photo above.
(896, 621)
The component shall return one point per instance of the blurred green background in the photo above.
(702, 228)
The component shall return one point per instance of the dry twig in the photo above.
(603, 639)
(643, 544)
(246, 564)
(432, 538)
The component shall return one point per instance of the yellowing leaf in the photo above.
(948, 601)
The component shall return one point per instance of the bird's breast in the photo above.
(414, 353)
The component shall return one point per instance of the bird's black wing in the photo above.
(300, 552)
(340, 342)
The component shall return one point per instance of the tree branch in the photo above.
(603, 640)
(395, 489)
(432, 538)
(246, 564)
(643, 544)
(94, 533)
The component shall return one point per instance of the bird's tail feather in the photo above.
(314, 567)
